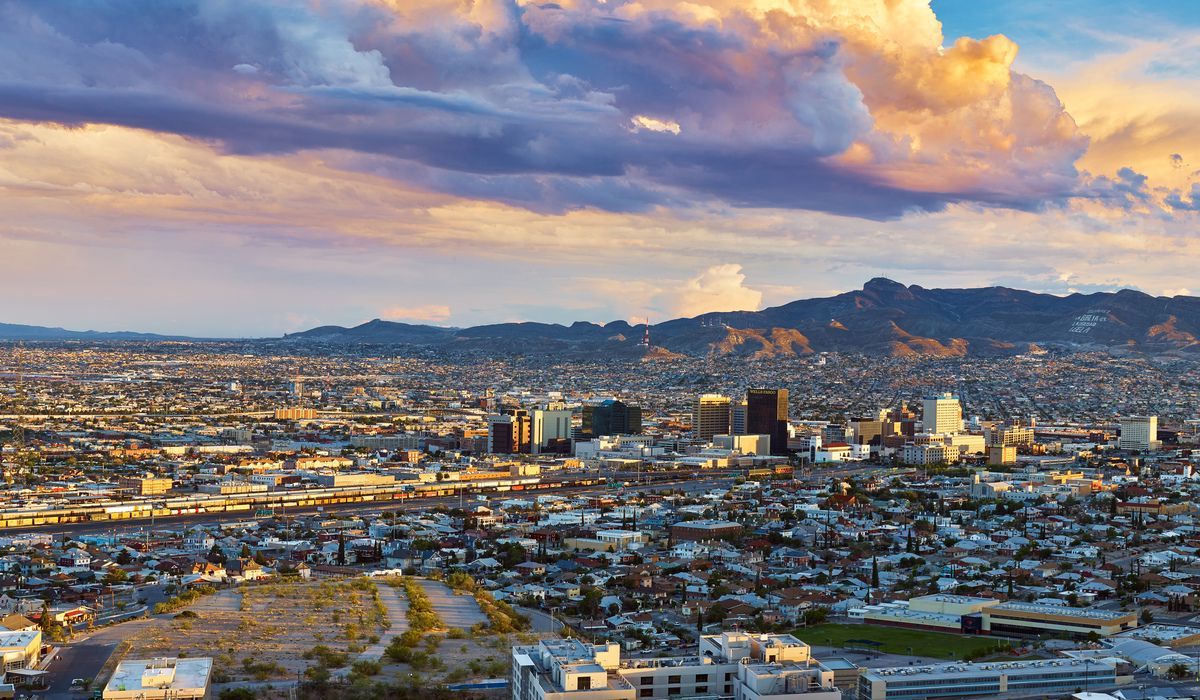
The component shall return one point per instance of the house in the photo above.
(16, 622)
(75, 559)
(688, 550)
(245, 570)
(530, 568)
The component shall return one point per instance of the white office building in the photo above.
(941, 413)
(1139, 433)
(730, 665)
(744, 444)
(549, 425)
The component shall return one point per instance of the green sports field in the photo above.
(898, 640)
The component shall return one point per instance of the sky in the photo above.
(253, 167)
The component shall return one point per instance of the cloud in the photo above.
(1185, 202)
(651, 124)
(851, 107)
(1135, 114)
(298, 231)
(427, 313)
(719, 288)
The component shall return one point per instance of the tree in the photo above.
(115, 576)
(591, 601)
(874, 572)
(341, 550)
(245, 553)
(45, 621)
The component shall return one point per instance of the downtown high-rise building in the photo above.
(767, 414)
(549, 428)
(509, 433)
(1139, 433)
(941, 414)
(737, 417)
(611, 417)
(711, 416)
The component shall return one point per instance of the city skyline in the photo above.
(218, 170)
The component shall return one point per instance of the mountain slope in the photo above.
(883, 318)
(17, 331)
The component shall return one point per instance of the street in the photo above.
(84, 658)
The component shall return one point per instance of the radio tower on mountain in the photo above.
(646, 334)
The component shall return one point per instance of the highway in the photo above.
(690, 486)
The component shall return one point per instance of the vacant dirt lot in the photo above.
(264, 632)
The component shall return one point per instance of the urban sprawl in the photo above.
(274, 520)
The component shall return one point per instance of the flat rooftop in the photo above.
(987, 670)
(915, 616)
(707, 524)
(135, 676)
(1062, 610)
(956, 599)
(19, 639)
(1156, 630)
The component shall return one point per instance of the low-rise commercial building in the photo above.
(608, 541)
(745, 444)
(347, 479)
(144, 485)
(20, 649)
(1037, 619)
(402, 441)
(976, 615)
(160, 679)
(705, 530)
(1171, 636)
(987, 679)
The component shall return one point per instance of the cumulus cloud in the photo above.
(719, 288)
(850, 107)
(426, 313)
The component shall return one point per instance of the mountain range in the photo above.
(18, 331)
(883, 318)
